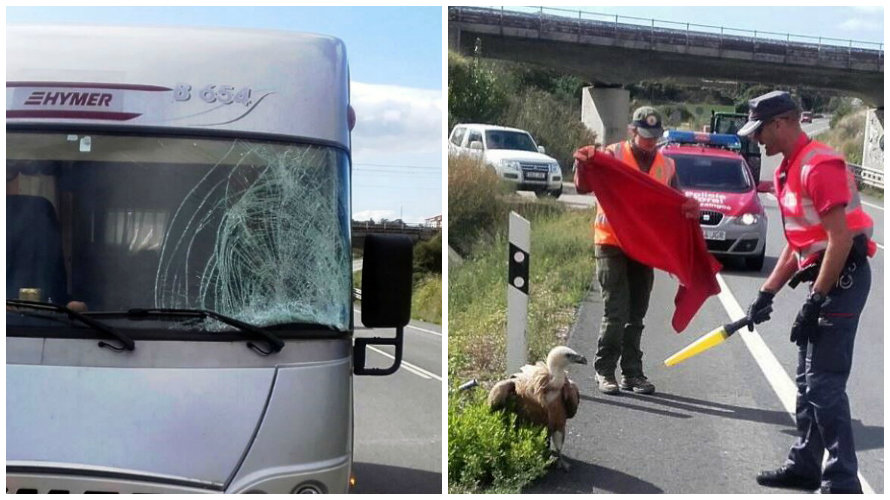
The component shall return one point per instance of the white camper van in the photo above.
(178, 262)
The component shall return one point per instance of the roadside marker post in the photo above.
(517, 292)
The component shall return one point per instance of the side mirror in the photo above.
(766, 187)
(387, 266)
(477, 145)
(542, 150)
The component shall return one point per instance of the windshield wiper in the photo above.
(128, 344)
(275, 343)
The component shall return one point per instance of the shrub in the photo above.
(474, 202)
(475, 93)
(426, 301)
(488, 451)
(428, 255)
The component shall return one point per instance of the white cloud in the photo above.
(392, 119)
(862, 24)
(375, 214)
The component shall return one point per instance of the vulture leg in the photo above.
(556, 441)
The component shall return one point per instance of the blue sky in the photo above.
(395, 61)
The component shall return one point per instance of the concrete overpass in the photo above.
(612, 53)
(414, 231)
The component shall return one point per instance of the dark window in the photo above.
(709, 173)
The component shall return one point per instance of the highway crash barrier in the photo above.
(869, 176)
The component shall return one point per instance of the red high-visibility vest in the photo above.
(662, 171)
(800, 220)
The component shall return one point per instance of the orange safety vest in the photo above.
(800, 220)
(662, 171)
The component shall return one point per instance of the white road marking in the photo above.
(408, 366)
(424, 330)
(871, 205)
(781, 382)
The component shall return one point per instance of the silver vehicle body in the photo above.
(526, 170)
(180, 413)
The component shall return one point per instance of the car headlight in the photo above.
(510, 165)
(748, 219)
(554, 168)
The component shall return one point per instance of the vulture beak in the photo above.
(577, 358)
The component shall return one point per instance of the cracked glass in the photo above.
(255, 230)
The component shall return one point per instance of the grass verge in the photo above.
(561, 269)
(488, 452)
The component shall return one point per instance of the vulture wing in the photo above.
(571, 398)
(501, 393)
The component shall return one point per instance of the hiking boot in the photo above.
(637, 384)
(606, 384)
(786, 478)
(857, 490)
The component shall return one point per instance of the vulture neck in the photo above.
(557, 374)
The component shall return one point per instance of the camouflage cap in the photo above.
(647, 120)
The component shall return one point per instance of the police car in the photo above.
(711, 169)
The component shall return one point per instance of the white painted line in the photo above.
(424, 330)
(871, 205)
(408, 366)
(782, 384)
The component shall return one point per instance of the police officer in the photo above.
(828, 242)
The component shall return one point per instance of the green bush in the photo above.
(475, 93)
(426, 301)
(428, 255)
(488, 452)
(475, 206)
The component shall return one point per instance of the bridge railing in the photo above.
(838, 51)
(873, 177)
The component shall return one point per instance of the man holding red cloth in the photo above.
(648, 225)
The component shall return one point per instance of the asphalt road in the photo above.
(721, 417)
(398, 417)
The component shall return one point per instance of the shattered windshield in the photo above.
(258, 231)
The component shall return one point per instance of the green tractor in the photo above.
(730, 123)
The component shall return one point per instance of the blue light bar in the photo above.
(729, 141)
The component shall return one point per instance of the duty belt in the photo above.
(858, 254)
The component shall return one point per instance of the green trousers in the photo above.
(626, 286)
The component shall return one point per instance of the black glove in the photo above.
(760, 309)
(806, 325)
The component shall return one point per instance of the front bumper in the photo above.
(524, 182)
(731, 238)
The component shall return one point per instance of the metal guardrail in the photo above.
(869, 176)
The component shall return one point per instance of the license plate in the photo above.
(714, 235)
(535, 175)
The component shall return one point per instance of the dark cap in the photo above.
(762, 108)
(648, 122)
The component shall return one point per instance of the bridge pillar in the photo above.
(873, 148)
(606, 111)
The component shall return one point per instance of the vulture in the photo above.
(542, 394)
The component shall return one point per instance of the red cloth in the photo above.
(652, 229)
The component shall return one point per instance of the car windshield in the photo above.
(507, 139)
(253, 230)
(708, 173)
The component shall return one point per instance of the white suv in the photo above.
(511, 153)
